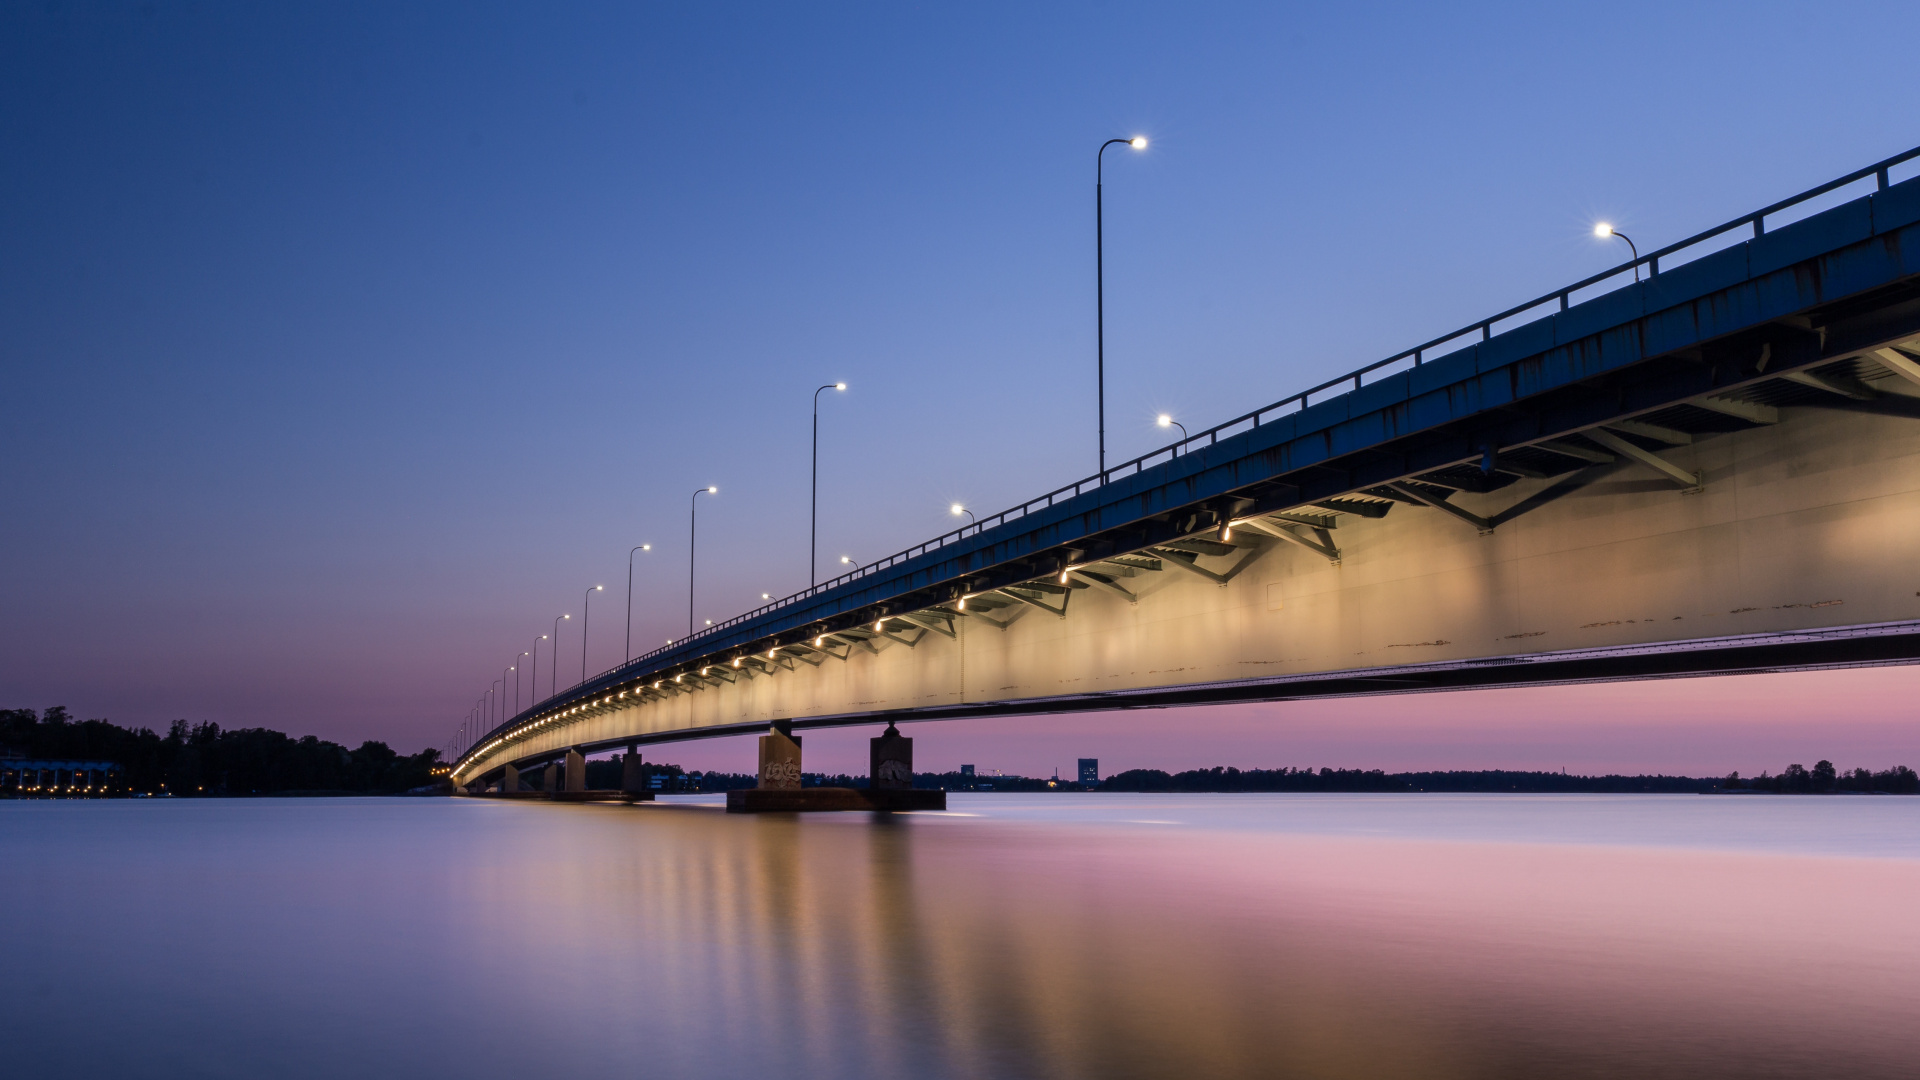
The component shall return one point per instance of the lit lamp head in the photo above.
(846, 560)
(1164, 420)
(1603, 230)
(713, 490)
(1138, 142)
(956, 509)
(839, 386)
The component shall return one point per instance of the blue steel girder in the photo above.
(1833, 283)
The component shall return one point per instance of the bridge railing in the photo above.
(1552, 302)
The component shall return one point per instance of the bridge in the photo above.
(1702, 461)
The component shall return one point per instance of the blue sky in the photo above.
(345, 345)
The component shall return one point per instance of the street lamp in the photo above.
(1138, 142)
(533, 682)
(516, 685)
(693, 521)
(956, 510)
(629, 645)
(586, 612)
(1604, 230)
(1168, 421)
(504, 714)
(553, 679)
(813, 520)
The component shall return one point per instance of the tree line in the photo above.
(203, 759)
(1821, 779)
(1824, 779)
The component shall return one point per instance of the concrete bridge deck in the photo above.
(1716, 468)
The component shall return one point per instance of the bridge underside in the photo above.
(1772, 531)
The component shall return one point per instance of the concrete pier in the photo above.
(891, 759)
(780, 790)
(576, 771)
(779, 760)
(633, 778)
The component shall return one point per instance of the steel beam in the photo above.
(1687, 480)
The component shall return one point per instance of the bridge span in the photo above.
(1705, 461)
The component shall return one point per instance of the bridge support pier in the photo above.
(576, 771)
(550, 778)
(509, 780)
(891, 786)
(633, 779)
(891, 756)
(780, 759)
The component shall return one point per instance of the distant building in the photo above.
(966, 770)
(1089, 770)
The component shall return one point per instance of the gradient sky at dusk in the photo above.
(346, 345)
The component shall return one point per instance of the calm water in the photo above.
(1060, 935)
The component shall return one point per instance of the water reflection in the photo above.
(1287, 936)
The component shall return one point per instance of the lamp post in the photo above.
(504, 714)
(1138, 142)
(553, 679)
(1604, 230)
(586, 612)
(533, 683)
(956, 510)
(628, 655)
(813, 519)
(516, 686)
(693, 520)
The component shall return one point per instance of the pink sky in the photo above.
(1703, 727)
